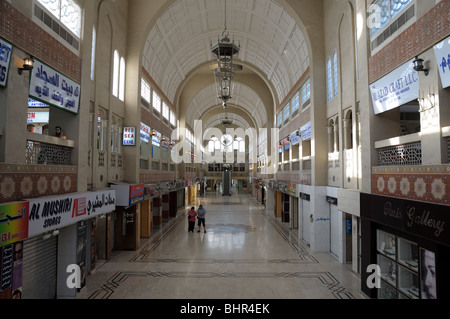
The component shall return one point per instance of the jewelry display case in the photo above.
(398, 259)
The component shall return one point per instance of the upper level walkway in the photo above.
(246, 253)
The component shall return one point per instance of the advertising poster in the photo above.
(11, 260)
(49, 86)
(81, 250)
(428, 274)
(5, 61)
(13, 222)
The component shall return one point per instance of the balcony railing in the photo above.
(400, 151)
(48, 150)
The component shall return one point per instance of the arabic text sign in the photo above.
(397, 88)
(50, 213)
(50, 86)
(5, 61)
(442, 52)
(13, 222)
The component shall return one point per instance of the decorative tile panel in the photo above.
(19, 182)
(429, 183)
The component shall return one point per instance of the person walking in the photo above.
(191, 219)
(201, 218)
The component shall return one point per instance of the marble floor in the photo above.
(246, 253)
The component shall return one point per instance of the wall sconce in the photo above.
(418, 66)
(27, 65)
(426, 103)
(152, 133)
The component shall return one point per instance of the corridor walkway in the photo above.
(246, 253)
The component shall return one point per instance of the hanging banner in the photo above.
(306, 131)
(5, 60)
(13, 222)
(156, 139)
(51, 87)
(145, 133)
(50, 213)
(397, 88)
(442, 52)
(295, 138)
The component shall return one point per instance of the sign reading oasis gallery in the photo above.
(397, 88)
(50, 213)
(420, 218)
(51, 87)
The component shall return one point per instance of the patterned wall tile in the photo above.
(424, 183)
(19, 182)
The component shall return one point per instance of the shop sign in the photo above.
(306, 131)
(145, 133)
(442, 53)
(49, 86)
(129, 194)
(292, 190)
(397, 88)
(13, 222)
(156, 139)
(165, 144)
(286, 144)
(129, 136)
(295, 138)
(136, 194)
(5, 61)
(37, 104)
(38, 117)
(420, 218)
(50, 213)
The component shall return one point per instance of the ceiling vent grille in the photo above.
(56, 27)
(393, 27)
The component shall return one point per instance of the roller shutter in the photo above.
(40, 257)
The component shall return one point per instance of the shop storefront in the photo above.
(127, 216)
(46, 235)
(410, 243)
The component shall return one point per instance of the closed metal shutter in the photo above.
(39, 268)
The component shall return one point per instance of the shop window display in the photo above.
(399, 262)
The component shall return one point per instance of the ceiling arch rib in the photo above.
(270, 40)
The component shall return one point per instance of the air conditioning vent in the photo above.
(56, 27)
(393, 27)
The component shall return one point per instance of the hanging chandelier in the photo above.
(224, 69)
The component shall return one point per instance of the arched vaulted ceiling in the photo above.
(270, 41)
(245, 98)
